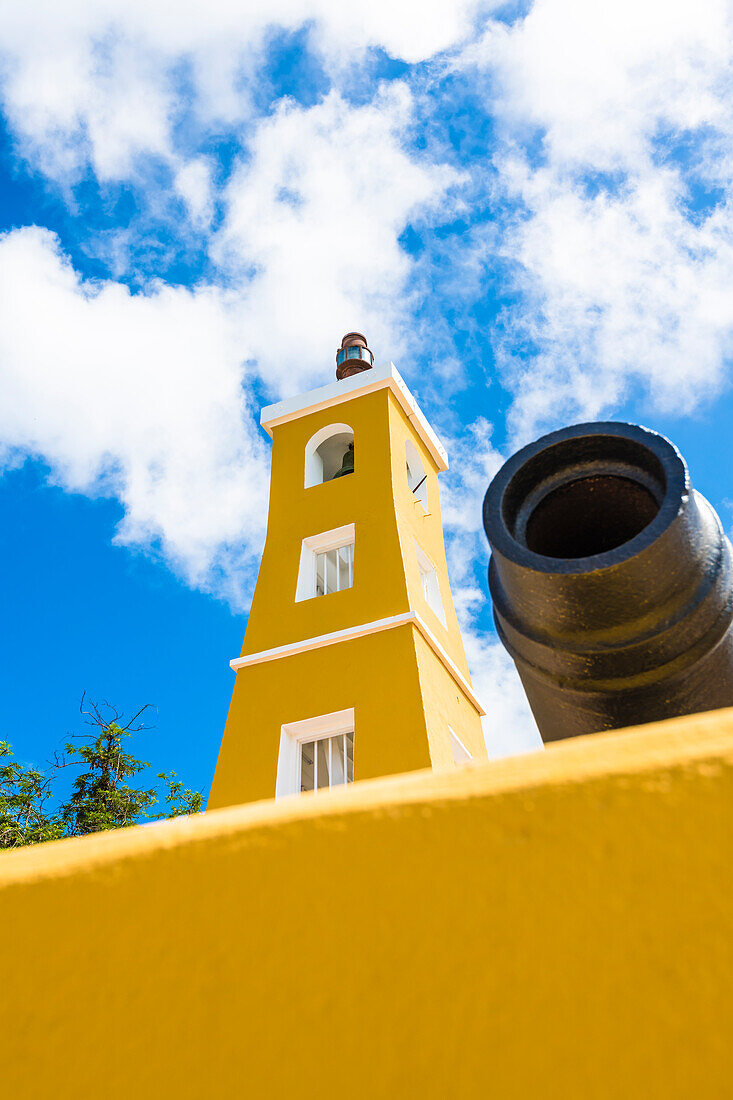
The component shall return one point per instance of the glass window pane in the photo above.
(344, 566)
(349, 757)
(320, 574)
(334, 569)
(322, 750)
(331, 557)
(337, 760)
(354, 353)
(306, 766)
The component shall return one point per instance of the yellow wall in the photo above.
(295, 513)
(553, 926)
(445, 705)
(415, 526)
(378, 676)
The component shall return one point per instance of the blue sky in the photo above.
(528, 207)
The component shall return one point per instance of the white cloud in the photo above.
(619, 291)
(100, 82)
(194, 184)
(317, 211)
(144, 396)
(308, 247)
(598, 80)
(509, 727)
(72, 101)
(611, 117)
(136, 396)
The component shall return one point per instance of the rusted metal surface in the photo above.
(354, 361)
(612, 581)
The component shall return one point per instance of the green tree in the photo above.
(24, 795)
(104, 795)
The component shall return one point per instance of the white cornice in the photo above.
(361, 631)
(385, 377)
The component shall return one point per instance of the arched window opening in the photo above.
(417, 479)
(329, 454)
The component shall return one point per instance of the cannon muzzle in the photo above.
(612, 581)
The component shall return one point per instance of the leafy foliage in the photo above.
(24, 793)
(103, 796)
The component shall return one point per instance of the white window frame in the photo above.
(430, 583)
(417, 479)
(313, 461)
(461, 755)
(294, 734)
(319, 544)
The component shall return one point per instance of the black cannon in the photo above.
(612, 581)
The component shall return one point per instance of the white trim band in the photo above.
(378, 378)
(307, 644)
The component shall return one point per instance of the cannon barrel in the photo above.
(611, 579)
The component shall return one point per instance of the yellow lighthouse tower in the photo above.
(352, 665)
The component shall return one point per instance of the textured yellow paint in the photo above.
(556, 925)
(396, 730)
(376, 674)
(427, 530)
(445, 705)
